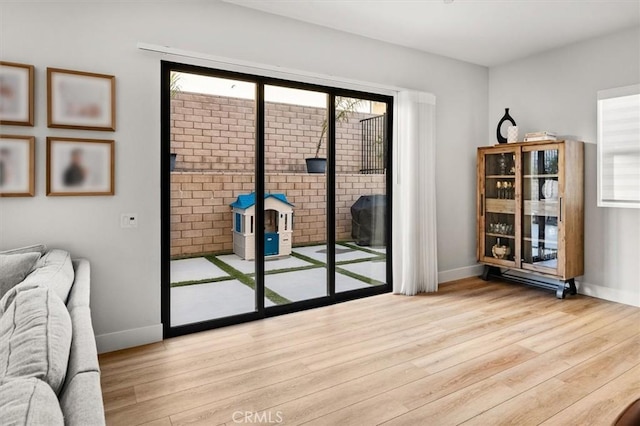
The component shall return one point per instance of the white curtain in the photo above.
(415, 262)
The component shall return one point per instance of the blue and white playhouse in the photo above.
(278, 225)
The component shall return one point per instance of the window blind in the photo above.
(619, 147)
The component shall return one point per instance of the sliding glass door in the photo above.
(212, 163)
(361, 193)
(295, 130)
(275, 196)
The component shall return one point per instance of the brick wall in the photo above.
(201, 219)
(216, 133)
(214, 139)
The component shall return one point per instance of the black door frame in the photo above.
(165, 199)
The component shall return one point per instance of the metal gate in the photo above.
(374, 145)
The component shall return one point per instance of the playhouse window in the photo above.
(239, 222)
(251, 224)
(286, 222)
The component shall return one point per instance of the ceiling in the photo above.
(484, 32)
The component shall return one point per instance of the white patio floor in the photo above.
(201, 302)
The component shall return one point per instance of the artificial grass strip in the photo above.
(196, 282)
(275, 297)
(293, 269)
(233, 272)
(359, 277)
(377, 257)
(357, 247)
(307, 259)
(246, 280)
(366, 259)
(197, 255)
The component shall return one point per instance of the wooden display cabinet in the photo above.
(530, 212)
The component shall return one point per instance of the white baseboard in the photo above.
(129, 338)
(593, 290)
(459, 273)
(611, 294)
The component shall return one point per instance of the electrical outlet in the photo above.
(129, 220)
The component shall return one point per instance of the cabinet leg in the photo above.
(490, 270)
(561, 291)
(485, 273)
(568, 286)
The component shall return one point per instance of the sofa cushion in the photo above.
(29, 402)
(35, 331)
(14, 268)
(55, 270)
(36, 248)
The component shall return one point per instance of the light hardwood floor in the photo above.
(474, 353)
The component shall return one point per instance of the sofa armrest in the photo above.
(81, 290)
(81, 396)
(81, 402)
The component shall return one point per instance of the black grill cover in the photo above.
(368, 218)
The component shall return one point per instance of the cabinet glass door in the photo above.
(500, 207)
(542, 198)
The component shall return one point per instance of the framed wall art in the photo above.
(16, 94)
(80, 166)
(17, 166)
(81, 100)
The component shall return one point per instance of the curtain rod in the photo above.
(240, 65)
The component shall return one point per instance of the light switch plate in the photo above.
(129, 220)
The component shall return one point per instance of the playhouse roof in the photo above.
(245, 201)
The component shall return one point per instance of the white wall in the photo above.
(556, 90)
(102, 37)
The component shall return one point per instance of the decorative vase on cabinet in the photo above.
(531, 213)
(505, 118)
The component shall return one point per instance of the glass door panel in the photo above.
(212, 142)
(500, 206)
(361, 194)
(540, 189)
(295, 200)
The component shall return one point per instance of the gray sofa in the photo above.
(49, 372)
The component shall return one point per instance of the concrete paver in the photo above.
(201, 302)
(194, 269)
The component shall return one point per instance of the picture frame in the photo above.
(77, 167)
(16, 94)
(81, 100)
(17, 166)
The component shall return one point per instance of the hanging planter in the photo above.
(316, 165)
